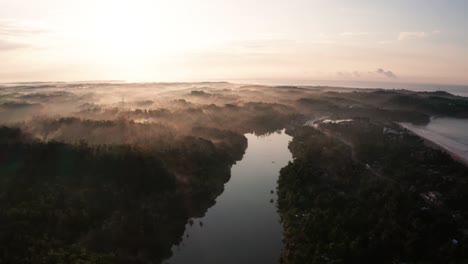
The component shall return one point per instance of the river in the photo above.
(243, 226)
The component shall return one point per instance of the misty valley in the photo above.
(217, 172)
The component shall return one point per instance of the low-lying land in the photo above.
(364, 191)
(112, 173)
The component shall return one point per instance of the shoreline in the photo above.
(434, 144)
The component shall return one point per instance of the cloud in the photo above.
(388, 74)
(408, 35)
(14, 34)
(384, 42)
(353, 34)
(15, 28)
(7, 45)
(367, 74)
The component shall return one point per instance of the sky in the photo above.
(422, 41)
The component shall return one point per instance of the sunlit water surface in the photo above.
(243, 226)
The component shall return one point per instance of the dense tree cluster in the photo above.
(356, 194)
(112, 172)
(82, 203)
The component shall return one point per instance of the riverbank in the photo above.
(408, 208)
(244, 218)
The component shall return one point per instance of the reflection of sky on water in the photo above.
(243, 226)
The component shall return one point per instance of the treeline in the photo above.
(82, 203)
(341, 107)
(359, 195)
(251, 117)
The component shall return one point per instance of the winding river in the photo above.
(243, 226)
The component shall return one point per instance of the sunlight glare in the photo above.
(130, 31)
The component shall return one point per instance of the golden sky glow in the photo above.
(424, 41)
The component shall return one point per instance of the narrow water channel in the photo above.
(243, 226)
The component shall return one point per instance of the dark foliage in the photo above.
(357, 195)
(82, 203)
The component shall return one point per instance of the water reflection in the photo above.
(243, 226)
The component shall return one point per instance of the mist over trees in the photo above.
(112, 172)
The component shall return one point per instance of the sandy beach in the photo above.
(449, 141)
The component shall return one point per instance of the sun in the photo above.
(138, 39)
(135, 39)
(128, 31)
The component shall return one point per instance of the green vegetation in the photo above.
(112, 173)
(357, 194)
(83, 203)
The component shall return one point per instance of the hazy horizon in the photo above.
(272, 81)
(455, 89)
(397, 42)
(235, 131)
